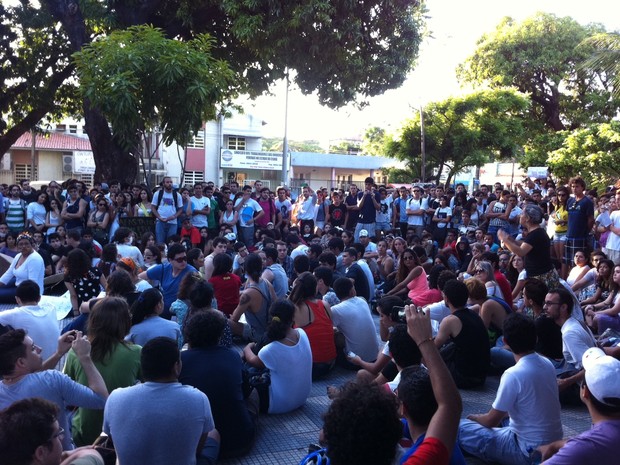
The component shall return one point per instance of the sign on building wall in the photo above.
(83, 162)
(249, 159)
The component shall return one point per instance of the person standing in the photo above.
(416, 210)
(580, 220)
(249, 211)
(307, 208)
(167, 206)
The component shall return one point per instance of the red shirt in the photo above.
(431, 452)
(226, 288)
(504, 285)
(193, 233)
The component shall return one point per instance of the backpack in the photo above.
(161, 196)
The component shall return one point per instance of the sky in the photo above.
(455, 26)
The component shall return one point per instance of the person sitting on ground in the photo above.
(467, 344)
(226, 285)
(356, 330)
(404, 352)
(492, 311)
(254, 302)
(314, 317)
(289, 359)
(362, 425)
(200, 301)
(383, 369)
(220, 246)
(170, 275)
(161, 421)
(325, 278)
(117, 360)
(275, 273)
(24, 376)
(411, 278)
(600, 392)
(31, 434)
(130, 267)
(180, 307)
(146, 320)
(527, 393)
(355, 272)
(415, 392)
(217, 371)
(40, 323)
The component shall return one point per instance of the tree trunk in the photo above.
(111, 161)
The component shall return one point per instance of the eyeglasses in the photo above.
(180, 259)
(102, 205)
(59, 434)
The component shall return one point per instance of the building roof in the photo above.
(338, 160)
(52, 141)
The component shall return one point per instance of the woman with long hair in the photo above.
(53, 218)
(200, 301)
(109, 256)
(10, 247)
(604, 282)
(314, 317)
(74, 208)
(582, 266)
(517, 277)
(605, 314)
(36, 213)
(492, 311)
(120, 208)
(196, 258)
(410, 278)
(83, 281)
(146, 322)
(148, 238)
(117, 360)
(132, 268)
(288, 356)
(229, 216)
(180, 307)
(99, 220)
(143, 207)
(559, 216)
(485, 273)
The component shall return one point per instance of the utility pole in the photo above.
(285, 141)
(422, 145)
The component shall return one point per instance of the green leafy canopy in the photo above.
(141, 80)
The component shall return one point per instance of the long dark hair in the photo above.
(304, 288)
(403, 271)
(145, 305)
(108, 324)
(254, 266)
(282, 313)
(78, 263)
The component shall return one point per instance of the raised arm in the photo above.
(445, 421)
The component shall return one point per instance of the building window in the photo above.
(61, 128)
(86, 178)
(25, 172)
(193, 177)
(73, 128)
(198, 142)
(236, 143)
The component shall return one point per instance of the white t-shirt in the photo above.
(575, 341)
(357, 326)
(131, 251)
(291, 373)
(246, 213)
(201, 203)
(528, 391)
(166, 207)
(414, 205)
(384, 214)
(284, 208)
(613, 240)
(40, 324)
(36, 212)
(442, 213)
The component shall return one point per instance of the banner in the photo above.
(138, 224)
(251, 160)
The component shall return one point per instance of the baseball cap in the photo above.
(231, 236)
(363, 233)
(129, 262)
(602, 376)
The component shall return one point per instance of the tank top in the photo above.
(74, 208)
(320, 333)
(417, 286)
(259, 320)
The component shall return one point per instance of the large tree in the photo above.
(463, 131)
(343, 51)
(542, 58)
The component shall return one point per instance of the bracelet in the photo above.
(430, 339)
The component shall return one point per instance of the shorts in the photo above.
(320, 225)
(383, 226)
(559, 237)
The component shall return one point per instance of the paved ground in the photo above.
(284, 439)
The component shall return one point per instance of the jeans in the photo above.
(247, 235)
(163, 230)
(493, 444)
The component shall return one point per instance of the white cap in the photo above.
(363, 233)
(602, 375)
(231, 236)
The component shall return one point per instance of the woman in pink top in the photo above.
(411, 276)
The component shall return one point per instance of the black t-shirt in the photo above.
(472, 355)
(538, 260)
(362, 287)
(217, 371)
(337, 214)
(368, 212)
(351, 201)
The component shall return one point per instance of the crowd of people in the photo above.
(522, 282)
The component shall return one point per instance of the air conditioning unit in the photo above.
(67, 163)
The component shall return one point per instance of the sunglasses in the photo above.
(409, 257)
(180, 259)
(478, 271)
